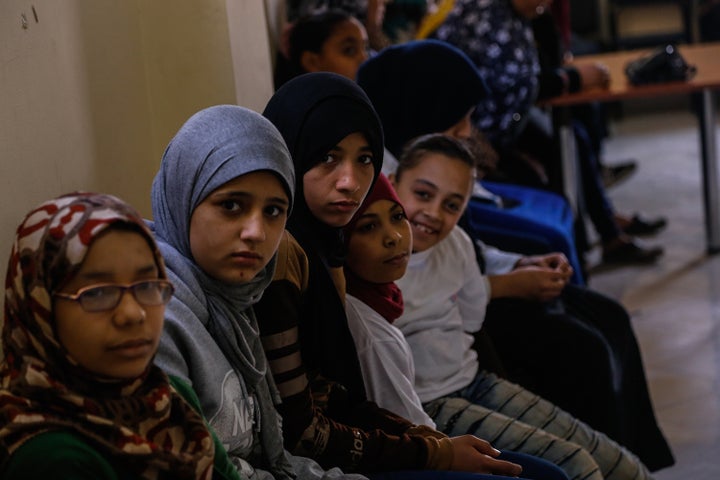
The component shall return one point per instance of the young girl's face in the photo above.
(434, 194)
(235, 231)
(380, 243)
(120, 342)
(335, 187)
(343, 51)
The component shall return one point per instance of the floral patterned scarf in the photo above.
(141, 423)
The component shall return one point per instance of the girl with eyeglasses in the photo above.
(85, 296)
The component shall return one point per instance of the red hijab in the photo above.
(385, 298)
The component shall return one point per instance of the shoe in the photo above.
(612, 175)
(627, 251)
(639, 226)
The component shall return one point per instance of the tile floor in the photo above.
(675, 304)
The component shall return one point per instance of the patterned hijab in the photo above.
(214, 146)
(142, 422)
(385, 298)
(420, 87)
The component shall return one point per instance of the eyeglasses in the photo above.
(101, 298)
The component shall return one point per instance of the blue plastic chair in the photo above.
(534, 222)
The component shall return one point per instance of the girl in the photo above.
(220, 202)
(329, 40)
(370, 12)
(336, 142)
(80, 398)
(445, 297)
(569, 344)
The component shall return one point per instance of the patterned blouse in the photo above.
(501, 45)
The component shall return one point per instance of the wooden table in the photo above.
(706, 58)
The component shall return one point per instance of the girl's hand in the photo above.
(472, 454)
(530, 283)
(534, 283)
(557, 262)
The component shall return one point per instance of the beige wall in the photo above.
(92, 91)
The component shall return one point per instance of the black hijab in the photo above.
(420, 87)
(314, 112)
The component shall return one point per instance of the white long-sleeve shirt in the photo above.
(386, 362)
(498, 262)
(445, 297)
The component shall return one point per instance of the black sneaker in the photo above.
(640, 226)
(629, 252)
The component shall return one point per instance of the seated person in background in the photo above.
(371, 14)
(556, 45)
(328, 41)
(220, 202)
(80, 397)
(336, 143)
(497, 36)
(445, 297)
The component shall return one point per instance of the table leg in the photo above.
(570, 179)
(566, 140)
(710, 171)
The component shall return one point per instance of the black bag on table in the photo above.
(664, 64)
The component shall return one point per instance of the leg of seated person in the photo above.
(534, 474)
(641, 432)
(535, 467)
(456, 416)
(521, 421)
(559, 357)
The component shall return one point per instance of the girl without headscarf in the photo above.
(220, 202)
(80, 396)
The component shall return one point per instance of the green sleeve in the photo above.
(224, 469)
(60, 455)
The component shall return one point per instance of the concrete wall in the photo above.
(91, 91)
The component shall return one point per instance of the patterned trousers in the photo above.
(515, 419)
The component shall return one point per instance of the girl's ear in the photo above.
(310, 61)
(391, 178)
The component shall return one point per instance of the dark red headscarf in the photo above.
(384, 298)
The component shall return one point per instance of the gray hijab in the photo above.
(213, 147)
